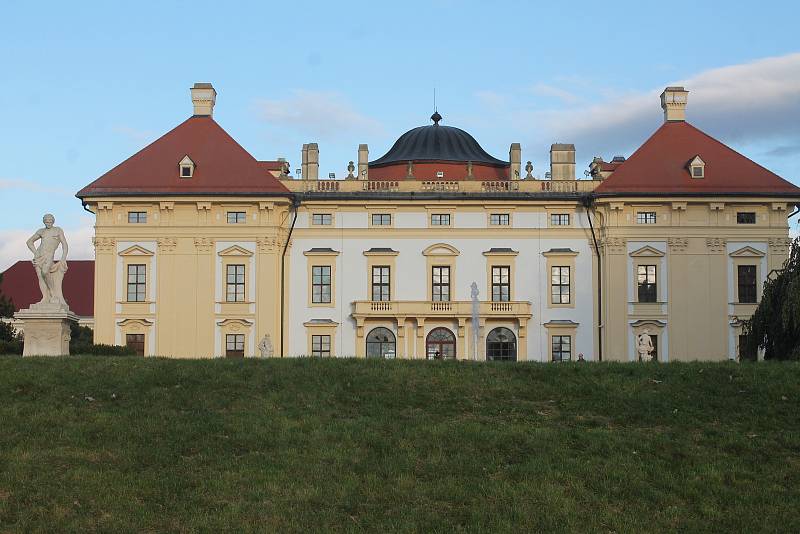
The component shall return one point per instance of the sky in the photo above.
(84, 85)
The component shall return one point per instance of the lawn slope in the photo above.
(126, 444)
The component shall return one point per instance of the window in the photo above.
(562, 348)
(236, 217)
(745, 217)
(381, 219)
(501, 283)
(186, 171)
(381, 343)
(440, 284)
(136, 342)
(559, 219)
(559, 285)
(440, 219)
(697, 171)
(499, 219)
(322, 219)
(137, 217)
(321, 284)
(235, 283)
(234, 346)
(747, 283)
(646, 283)
(321, 346)
(645, 217)
(137, 282)
(501, 345)
(440, 344)
(380, 283)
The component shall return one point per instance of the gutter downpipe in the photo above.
(295, 205)
(588, 202)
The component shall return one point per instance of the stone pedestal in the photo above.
(46, 329)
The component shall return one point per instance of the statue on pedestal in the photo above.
(644, 346)
(265, 347)
(49, 272)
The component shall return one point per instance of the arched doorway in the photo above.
(501, 345)
(440, 344)
(381, 343)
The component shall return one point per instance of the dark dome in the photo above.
(437, 143)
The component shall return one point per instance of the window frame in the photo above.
(501, 350)
(557, 219)
(236, 340)
(557, 340)
(384, 219)
(646, 288)
(498, 285)
(139, 284)
(441, 218)
(748, 287)
(496, 219)
(442, 269)
(382, 286)
(743, 217)
(137, 217)
(561, 285)
(236, 217)
(318, 297)
(320, 345)
(646, 217)
(322, 219)
(236, 284)
(138, 344)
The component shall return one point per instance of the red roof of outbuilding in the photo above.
(222, 166)
(660, 165)
(22, 287)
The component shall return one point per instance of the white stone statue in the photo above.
(265, 347)
(644, 346)
(476, 310)
(49, 272)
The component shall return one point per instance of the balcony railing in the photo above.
(453, 186)
(452, 308)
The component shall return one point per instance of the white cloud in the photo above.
(13, 248)
(322, 114)
(747, 102)
(565, 96)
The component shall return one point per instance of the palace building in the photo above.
(435, 249)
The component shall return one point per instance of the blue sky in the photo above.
(84, 85)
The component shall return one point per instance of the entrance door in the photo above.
(441, 344)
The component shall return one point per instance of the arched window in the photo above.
(381, 343)
(441, 344)
(501, 345)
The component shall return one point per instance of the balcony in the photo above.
(510, 187)
(426, 308)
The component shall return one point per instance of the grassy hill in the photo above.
(126, 444)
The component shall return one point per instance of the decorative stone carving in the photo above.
(166, 244)
(716, 245)
(267, 244)
(614, 245)
(203, 244)
(49, 272)
(104, 244)
(529, 171)
(644, 346)
(677, 244)
(265, 347)
(47, 323)
(779, 245)
(350, 169)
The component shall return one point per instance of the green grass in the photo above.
(349, 445)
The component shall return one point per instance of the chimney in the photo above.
(304, 162)
(203, 98)
(515, 157)
(562, 161)
(312, 162)
(363, 162)
(673, 102)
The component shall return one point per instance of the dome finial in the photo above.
(436, 118)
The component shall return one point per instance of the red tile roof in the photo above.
(22, 287)
(222, 166)
(660, 165)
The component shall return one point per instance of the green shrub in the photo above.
(13, 346)
(101, 350)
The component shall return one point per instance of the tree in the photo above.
(775, 326)
(6, 306)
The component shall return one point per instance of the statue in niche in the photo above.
(49, 272)
(265, 347)
(644, 346)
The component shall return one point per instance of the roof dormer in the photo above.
(697, 167)
(186, 166)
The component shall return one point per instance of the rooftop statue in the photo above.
(49, 272)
